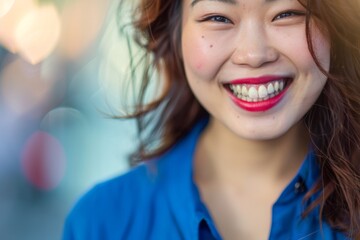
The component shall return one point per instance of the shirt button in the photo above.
(299, 186)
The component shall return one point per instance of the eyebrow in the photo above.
(232, 2)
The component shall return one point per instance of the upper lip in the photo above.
(258, 80)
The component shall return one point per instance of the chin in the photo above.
(266, 133)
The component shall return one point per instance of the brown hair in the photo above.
(333, 122)
(172, 115)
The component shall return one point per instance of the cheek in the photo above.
(293, 45)
(321, 47)
(200, 55)
(297, 50)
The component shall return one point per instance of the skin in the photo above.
(239, 150)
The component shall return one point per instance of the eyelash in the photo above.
(217, 18)
(288, 14)
(222, 19)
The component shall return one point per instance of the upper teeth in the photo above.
(251, 92)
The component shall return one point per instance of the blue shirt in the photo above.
(159, 200)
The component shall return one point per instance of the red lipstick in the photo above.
(258, 104)
(257, 80)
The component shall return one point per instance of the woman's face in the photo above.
(248, 63)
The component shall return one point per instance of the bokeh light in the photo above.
(43, 161)
(56, 137)
(23, 88)
(63, 118)
(5, 6)
(10, 21)
(75, 20)
(38, 32)
(35, 30)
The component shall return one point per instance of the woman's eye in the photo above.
(288, 14)
(218, 18)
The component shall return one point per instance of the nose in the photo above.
(253, 47)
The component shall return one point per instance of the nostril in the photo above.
(254, 56)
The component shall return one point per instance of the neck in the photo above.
(223, 156)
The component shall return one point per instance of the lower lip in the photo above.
(260, 106)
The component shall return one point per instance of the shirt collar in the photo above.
(309, 171)
(174, 174)
(304, 180)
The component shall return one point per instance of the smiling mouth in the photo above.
(258, 92)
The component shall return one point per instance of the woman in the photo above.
(256, 132)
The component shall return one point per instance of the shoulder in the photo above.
(152, 190)
(117, 190)
(110, 204)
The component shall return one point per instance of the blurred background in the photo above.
(62, 63)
